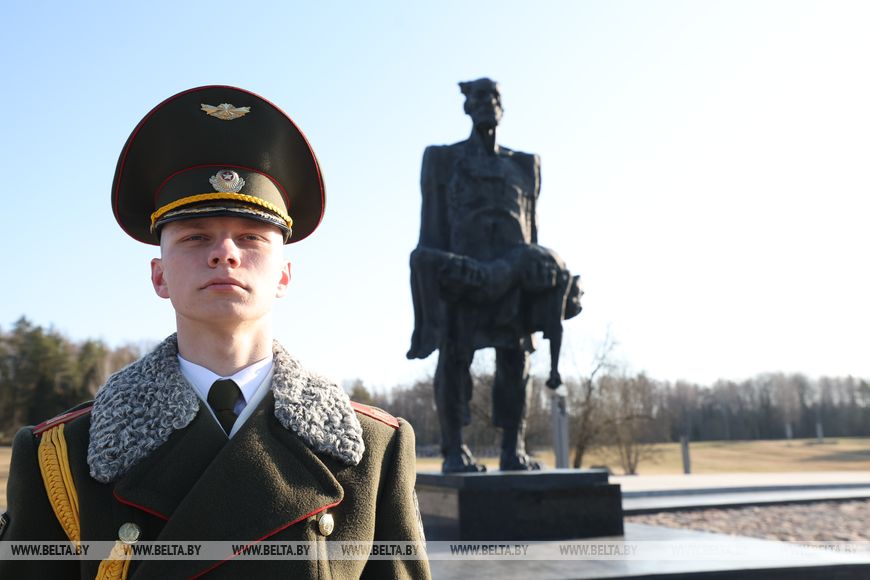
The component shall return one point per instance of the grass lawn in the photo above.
(843, 454)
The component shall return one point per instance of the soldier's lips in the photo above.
(223, 284)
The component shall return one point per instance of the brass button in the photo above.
(326, 524)
(129, 533)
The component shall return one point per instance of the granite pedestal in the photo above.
(534, 505)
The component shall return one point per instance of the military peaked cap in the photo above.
(217, 151)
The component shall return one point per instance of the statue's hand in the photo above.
(540, 275)
(462, 273)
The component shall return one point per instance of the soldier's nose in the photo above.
(224, 251)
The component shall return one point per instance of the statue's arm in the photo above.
(427, 258)
(433, 210)
(535, 166)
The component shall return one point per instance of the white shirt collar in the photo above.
(248, 379)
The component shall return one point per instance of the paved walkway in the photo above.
(657, 493)
(736, 480)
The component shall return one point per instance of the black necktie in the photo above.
(222, 397)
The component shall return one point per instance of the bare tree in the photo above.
(629, 408)
(584, 403)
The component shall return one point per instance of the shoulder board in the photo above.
(66, 417)
(376, 414)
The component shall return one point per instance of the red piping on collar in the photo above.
(140, 507)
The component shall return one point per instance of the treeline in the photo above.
(768, 406)
(43, 373)
(626, 413)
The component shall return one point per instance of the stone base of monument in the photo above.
(536, 505)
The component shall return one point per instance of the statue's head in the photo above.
(482, 102)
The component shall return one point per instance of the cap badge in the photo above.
(227, 181)
(225, 111)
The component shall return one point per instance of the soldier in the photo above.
(219, 433)
(479, 279)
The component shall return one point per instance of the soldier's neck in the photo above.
(224, 350)
(484, 138)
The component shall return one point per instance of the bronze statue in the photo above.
(479, 279)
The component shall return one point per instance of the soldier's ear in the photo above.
(283, 281)
(158, 280)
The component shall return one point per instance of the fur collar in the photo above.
(140, 406)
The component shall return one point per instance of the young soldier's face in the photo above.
(220, 271)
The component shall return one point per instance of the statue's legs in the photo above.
(509, 395)
(453, 389)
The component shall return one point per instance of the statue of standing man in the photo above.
(479, 279)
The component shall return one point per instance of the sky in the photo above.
(704, 167)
